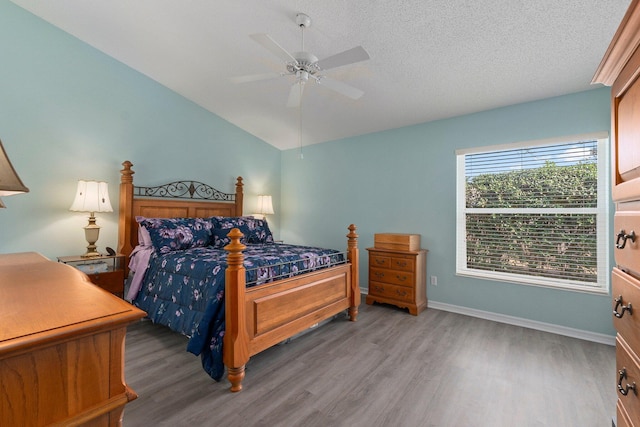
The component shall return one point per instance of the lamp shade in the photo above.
(92, 196)
(10, 182)
(265, 205)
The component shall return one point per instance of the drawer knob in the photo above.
(622, 235)
(624, 308)
(622, 375)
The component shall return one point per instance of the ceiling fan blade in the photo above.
(350, 56)
(271, 45)
(340, 87)
(254, 77)
(295, 95)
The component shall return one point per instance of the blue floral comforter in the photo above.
(184, 290)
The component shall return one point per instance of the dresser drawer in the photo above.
(622, 418)
(627, 251)
(628, 374)
(403, 263)
(400, 293)
(626, 291)
(377, 260)
(401, 278)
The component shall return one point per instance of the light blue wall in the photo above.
(403, 181)
(69, 112)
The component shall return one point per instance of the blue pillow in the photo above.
(219, 238)
(174, 234)
(255, 231)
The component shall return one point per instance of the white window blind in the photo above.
(535, 213)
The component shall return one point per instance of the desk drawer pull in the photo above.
(622, 375)
(624, 308)
(622, 235)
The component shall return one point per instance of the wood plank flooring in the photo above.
(387, 369)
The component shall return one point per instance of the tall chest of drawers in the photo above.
(397, 272)
(620, 68)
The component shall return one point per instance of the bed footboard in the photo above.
(260, 317)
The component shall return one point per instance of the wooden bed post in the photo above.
(126, 205)
(236, 340)
(239, 196)
(354, 258)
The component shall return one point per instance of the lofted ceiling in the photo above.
(430, 59)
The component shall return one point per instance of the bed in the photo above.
(260, 302)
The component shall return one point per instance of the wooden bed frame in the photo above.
(258, 317)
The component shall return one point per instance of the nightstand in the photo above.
(106, 271)
(397, 272)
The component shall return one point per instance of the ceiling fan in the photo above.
(304, 65)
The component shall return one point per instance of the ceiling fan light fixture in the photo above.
(303, 64)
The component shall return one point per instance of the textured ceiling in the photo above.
(430, 59)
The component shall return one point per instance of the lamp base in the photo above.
(91, 233)
(91, 252)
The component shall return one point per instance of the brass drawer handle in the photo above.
(622, 375)
(379, 288)
(401, 278)
(378, 274)
(401, 263)
(401, 293)
(380, 261)
(622, 235)
(624, 308)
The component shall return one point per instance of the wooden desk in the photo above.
(61, 346)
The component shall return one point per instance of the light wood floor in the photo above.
(387, 369)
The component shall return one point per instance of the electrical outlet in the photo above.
(434, 280)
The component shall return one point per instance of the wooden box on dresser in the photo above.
(397, 272)
(61, 346)
(620, 69)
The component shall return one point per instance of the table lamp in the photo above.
(92, 197)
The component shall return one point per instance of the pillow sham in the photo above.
(144, 239)
(174, 234)
(255, 230)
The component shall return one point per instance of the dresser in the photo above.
(397, 272)
(61, 346)
(620, 69)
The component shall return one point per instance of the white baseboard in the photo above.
(525, 323)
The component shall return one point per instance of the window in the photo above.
(535, 213)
